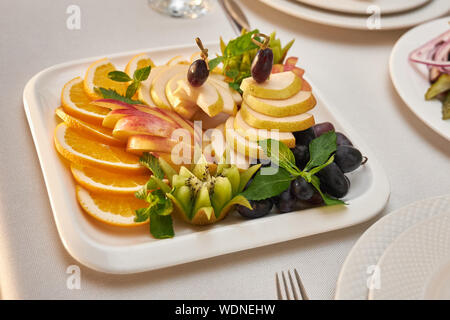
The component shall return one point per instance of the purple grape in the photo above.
(262, 65)
(260, 209)
(348, 158)
(301, 154)
(198, 73)
(333, 181)
(321, 128)
(301, 189)
(303, 138)
(342, 140)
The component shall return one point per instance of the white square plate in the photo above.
(114, 250)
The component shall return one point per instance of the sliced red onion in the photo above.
(425, 53)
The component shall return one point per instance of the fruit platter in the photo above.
(163, 156)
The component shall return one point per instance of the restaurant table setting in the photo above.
(377, 71)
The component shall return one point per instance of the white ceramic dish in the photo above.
(432, 10)
(360, 7)
(365, 254)
(411, 79)
(415, 266)
(113, 250)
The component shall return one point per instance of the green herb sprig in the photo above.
(321, 152)
(135, 82)
(160, 206)
(238, 54)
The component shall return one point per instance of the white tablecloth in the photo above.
(350, 67)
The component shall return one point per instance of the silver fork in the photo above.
(297, 292)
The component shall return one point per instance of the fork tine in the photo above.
(286, 289)
(294, 290)
(279, 295)
(300, 286)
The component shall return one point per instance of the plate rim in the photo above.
(356, 26)
(321, 5)
(402, 237)
(397, 83)
(94, 260)
(389, 218)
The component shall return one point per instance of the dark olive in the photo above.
(198, 73)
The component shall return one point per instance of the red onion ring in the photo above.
(428, 53)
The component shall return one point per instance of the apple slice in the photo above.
(279, 86)
(142, 125)
(207, 121)
(207, 97)
(181, 102)
(145, 143)
(297, 104)
(158, 87)
(136, 110)
(287, 124)
(240, 144)
(254, 134)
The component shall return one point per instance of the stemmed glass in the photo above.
(190, 9)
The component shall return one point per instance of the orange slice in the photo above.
(101, 181)
(77, 103)
(111, 209)
(97, 77)
(79, 149)
(96, 132)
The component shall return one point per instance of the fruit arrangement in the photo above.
(192, 138)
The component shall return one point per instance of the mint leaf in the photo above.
(142, 74)
(267, 186)
(320, 149)
(328, 200)
(132, 88)
(161, 227)
(232, 73)
(152, 163)
(240, 45)
(159, 210)
(112, 94)
(213, 63)
(235, 86)
(279, 154)
(142, 215)
(119, 76)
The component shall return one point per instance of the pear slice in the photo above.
(158, 88)
(207, 97)
(229, 105)
(219, 145)
(254, 134)
(220, 80)
(287, 124)
(297, 104)
(144, 89)
(240, 144)
(207, 121)
(279, 86)
(180, 101)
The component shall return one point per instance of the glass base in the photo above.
(190, 9)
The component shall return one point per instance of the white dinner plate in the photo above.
(359, 266)
(114, 250)
(411, 79)
(432, 10)
(360, 6)
(415, 266)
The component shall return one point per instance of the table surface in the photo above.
(350, 67)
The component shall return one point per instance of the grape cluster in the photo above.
(333, 181)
